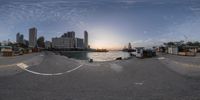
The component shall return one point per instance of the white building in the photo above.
(68, 41)
(63, 43)
(172, 50)
(32, 37)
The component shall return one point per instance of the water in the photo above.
(96, 56)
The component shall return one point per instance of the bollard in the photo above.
(90, 60)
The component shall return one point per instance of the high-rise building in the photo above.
(86, 39)
(79, 44)
(17, 37)
(26, 42)
(21, 38)
(32, 37)
(69, 34)
(68, 41)
(63, 43)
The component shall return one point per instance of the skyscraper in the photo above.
(79, 44)
(86, 39)
(69, 34)
(63, 43)
(21, 39)
(32, 37)
(17, 37)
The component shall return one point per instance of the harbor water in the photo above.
(96, 56)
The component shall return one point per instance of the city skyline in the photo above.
(111, 24)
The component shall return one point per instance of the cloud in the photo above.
(194, 9)
(130, 1)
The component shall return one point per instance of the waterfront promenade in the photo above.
(46, 76)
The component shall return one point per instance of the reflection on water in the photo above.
(96, 56)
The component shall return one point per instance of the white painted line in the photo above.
(139, 83)
(41, 55)
(74, 69)
(24, 66)
(161, 58)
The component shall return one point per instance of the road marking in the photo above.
(41, 55)
(73, 69)
(24, 67)
(139, 83)
(161, 58)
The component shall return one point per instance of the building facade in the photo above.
(63, 43)
(68, 41)
(32, 37)
(86, 39)
(79, 43)
(20, 38)
(69, 34)
(17, 37)
(26, 42)
(172, 50)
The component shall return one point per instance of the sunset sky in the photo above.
(110, 23)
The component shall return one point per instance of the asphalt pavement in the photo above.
(57, 77)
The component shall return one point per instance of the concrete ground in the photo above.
(55, 77)
(185, 65)
(8, 64)
(184, 59)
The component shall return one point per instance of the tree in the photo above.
(179, 43)
(197, 43)
(189, 43)
(169, 44)
(40, 42)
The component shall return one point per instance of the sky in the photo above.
(110, 24)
